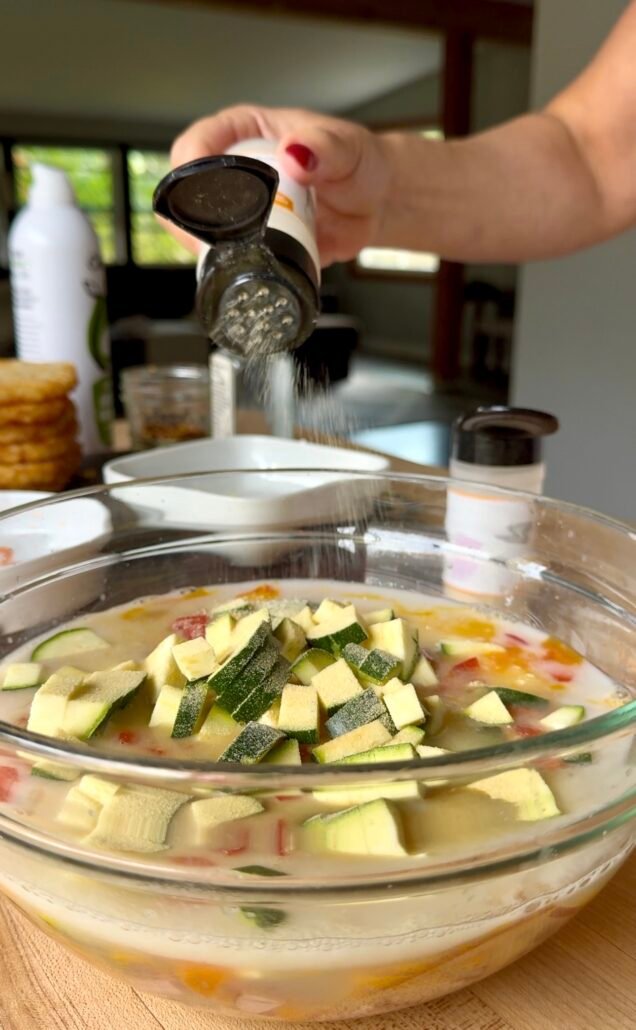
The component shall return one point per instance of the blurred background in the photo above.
(101, 87)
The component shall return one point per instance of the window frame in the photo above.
(121, 208)
(387, 275)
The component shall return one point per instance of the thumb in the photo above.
(315, 154)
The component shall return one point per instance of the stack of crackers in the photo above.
(38, 427)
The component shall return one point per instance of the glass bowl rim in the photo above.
(456, 764)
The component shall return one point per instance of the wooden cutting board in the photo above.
(584, 978)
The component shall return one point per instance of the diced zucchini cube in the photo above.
(400, 640)
(403, 704)
(285, 753)
(166, 707)
(561, 718)
(409, 735)
(21, 675)
(359, 711)
(271, 716)
(423, 674)
(136, 819)
(264, 694)
(436, 713)
(253, 743)
(327, 609)
(370, 829)
(371, 735)
(390, 752)
(291, 638)
(381, 615)
(523, 788)
(50, 700)
(335, 684)
(335, 632)
(209, 813)
(461, 648)
(161, 667)
(489, 710)
(374, 666)
(304, 618)
(101, 694)
(218, 634)
(218, 723)
(195, 658)
(339, 797)
(299, 715)
(224, 678)
(310, 664)
(192, 709)
(78, 811)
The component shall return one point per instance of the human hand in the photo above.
(348, 166)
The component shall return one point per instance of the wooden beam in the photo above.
(488, 19)
(448, 307)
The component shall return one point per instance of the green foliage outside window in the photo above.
(91, 173)
(151, 244)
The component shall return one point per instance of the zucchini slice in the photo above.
(22, 676)
(136, 819)
(371, 735)
(263, 697)
(67, 642)
(212, 812)
(374, 666)
(359, 711)
(336, 685)
(101, 694)
(195, 658)
(299, 714)
(335, 632)
(311, 663)
(192, 709)
(50, 701)
(253, 743)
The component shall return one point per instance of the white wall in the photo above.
(397, 317)
(575, 351)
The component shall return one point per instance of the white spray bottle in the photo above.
(58, 291)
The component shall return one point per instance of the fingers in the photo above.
(314, 149)
(213, 135)
(317, 151)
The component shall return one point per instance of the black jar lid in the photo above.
(218, 199)
(499, 435)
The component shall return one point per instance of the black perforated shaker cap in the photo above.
(499, 435)
(218, 199)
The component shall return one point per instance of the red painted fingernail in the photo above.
(303, 155)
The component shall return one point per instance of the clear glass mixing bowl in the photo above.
(355, 940)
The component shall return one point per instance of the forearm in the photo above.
(519, 192)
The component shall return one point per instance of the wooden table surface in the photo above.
(584, 978)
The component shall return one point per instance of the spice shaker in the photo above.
(259, 273)
(493, 446)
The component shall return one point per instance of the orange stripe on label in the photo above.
(282, 200)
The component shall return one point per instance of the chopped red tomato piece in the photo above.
(127, 737)
(190, 626)
(6, 555)
(282, 838)
(265, 592)
(527, 730)
(156, 751)
(8, 780)
(466, 665)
